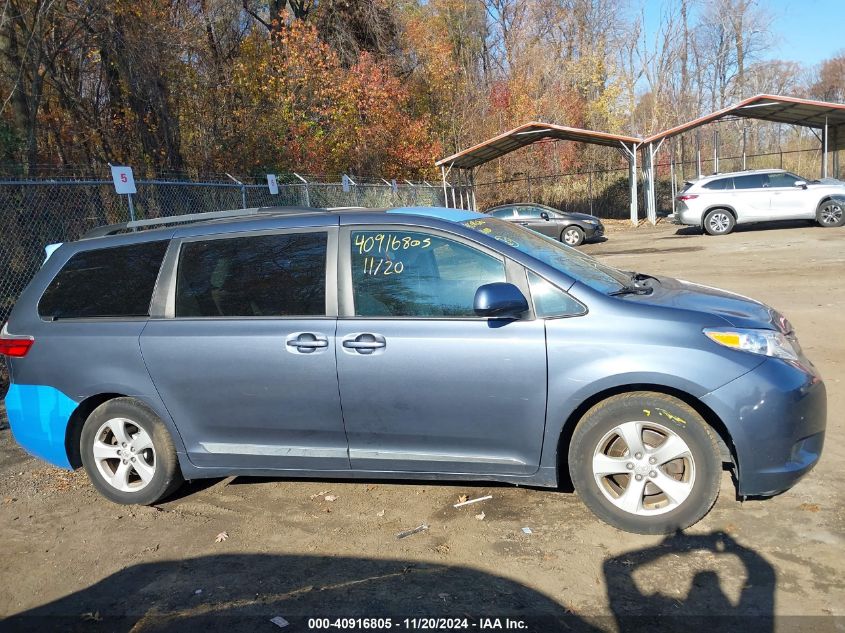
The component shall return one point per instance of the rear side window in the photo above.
(105, 282)
(258, 276)
(751, 181)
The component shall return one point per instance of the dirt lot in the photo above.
(291, 553)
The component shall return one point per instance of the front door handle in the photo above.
(364, 343)
(307, 342)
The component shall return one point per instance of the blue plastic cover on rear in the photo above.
(38, 416)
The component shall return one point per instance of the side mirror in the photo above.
(500, 300)
(801, 183)
(544, 215)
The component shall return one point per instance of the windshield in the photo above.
(566, 259)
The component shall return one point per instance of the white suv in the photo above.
(718, 203)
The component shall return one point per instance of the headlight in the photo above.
(594, 222)
(764, 342)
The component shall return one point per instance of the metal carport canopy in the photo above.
(828, 118)
(535, 131)
(775, 108)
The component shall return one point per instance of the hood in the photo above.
(572, 215)
(827, 183)
(737, 310)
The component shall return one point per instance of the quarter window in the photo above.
(551, 301)
(721, 183)
(414, 274)
(257, 276)
(105, 282)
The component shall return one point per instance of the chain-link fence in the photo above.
(34, 213)
(606, 194)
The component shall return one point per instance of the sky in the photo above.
(806, 31)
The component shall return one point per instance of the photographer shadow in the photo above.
(717, 599)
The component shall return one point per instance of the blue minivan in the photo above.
(425, 343)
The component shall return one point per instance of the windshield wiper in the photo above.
(631, 290)
(635, 276)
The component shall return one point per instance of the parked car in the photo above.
(718, 203)
(570, 228)
(418, 343)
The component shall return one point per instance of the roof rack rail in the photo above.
(112, 229)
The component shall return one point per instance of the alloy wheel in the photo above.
(644, 468)
(719, 222)
(831, 213)
(124, 455)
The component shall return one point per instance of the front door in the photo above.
(532, 218)
(245, 362)
(789, 202)
(427, 386)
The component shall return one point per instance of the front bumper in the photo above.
(776, 415)
(593, 231)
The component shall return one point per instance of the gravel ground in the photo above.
(72, 561)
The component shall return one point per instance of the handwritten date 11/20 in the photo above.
(381, 266)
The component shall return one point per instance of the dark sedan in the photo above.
(570, 228)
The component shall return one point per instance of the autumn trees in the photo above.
(369, 86)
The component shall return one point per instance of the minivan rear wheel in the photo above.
(128, 453)
(830, 213)
(719, 222)
(645, 462)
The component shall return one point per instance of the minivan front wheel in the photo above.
(645, 462)
(128, 453)
(830, 214)
(719, 222)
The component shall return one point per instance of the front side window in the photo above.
(399, 273)
(783, 180)
(256, 276)
(105, 282)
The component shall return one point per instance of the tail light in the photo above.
(14, 345)
(687, 196)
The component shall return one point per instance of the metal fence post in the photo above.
(131, 207)
(307, 193)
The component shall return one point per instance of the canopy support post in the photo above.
(650, 176)
(715, 150)
(630, 155)
(445, 195)
(697, 154)
(824, 150)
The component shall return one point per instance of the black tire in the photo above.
(698, 472)
(719, 222)
(831, 213)
(155, 457)
(572, 235)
